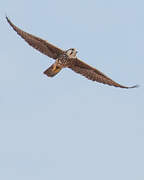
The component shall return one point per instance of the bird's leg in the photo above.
(54, 67)
(52, 70)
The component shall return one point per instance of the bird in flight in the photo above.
(64, 59)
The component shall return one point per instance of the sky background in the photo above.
(67, 127)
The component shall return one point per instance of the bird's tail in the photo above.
(52, 70)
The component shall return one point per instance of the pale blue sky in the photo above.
(67, 127)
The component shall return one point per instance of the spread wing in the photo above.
(37, 43)
(93, 74)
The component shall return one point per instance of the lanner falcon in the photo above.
(64, 59)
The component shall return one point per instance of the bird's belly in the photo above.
(62, 62)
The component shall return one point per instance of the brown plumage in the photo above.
(64, 59)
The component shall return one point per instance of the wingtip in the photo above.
(6, 16)
(8, 20)
(135, 86)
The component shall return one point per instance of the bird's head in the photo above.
(71, 53)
